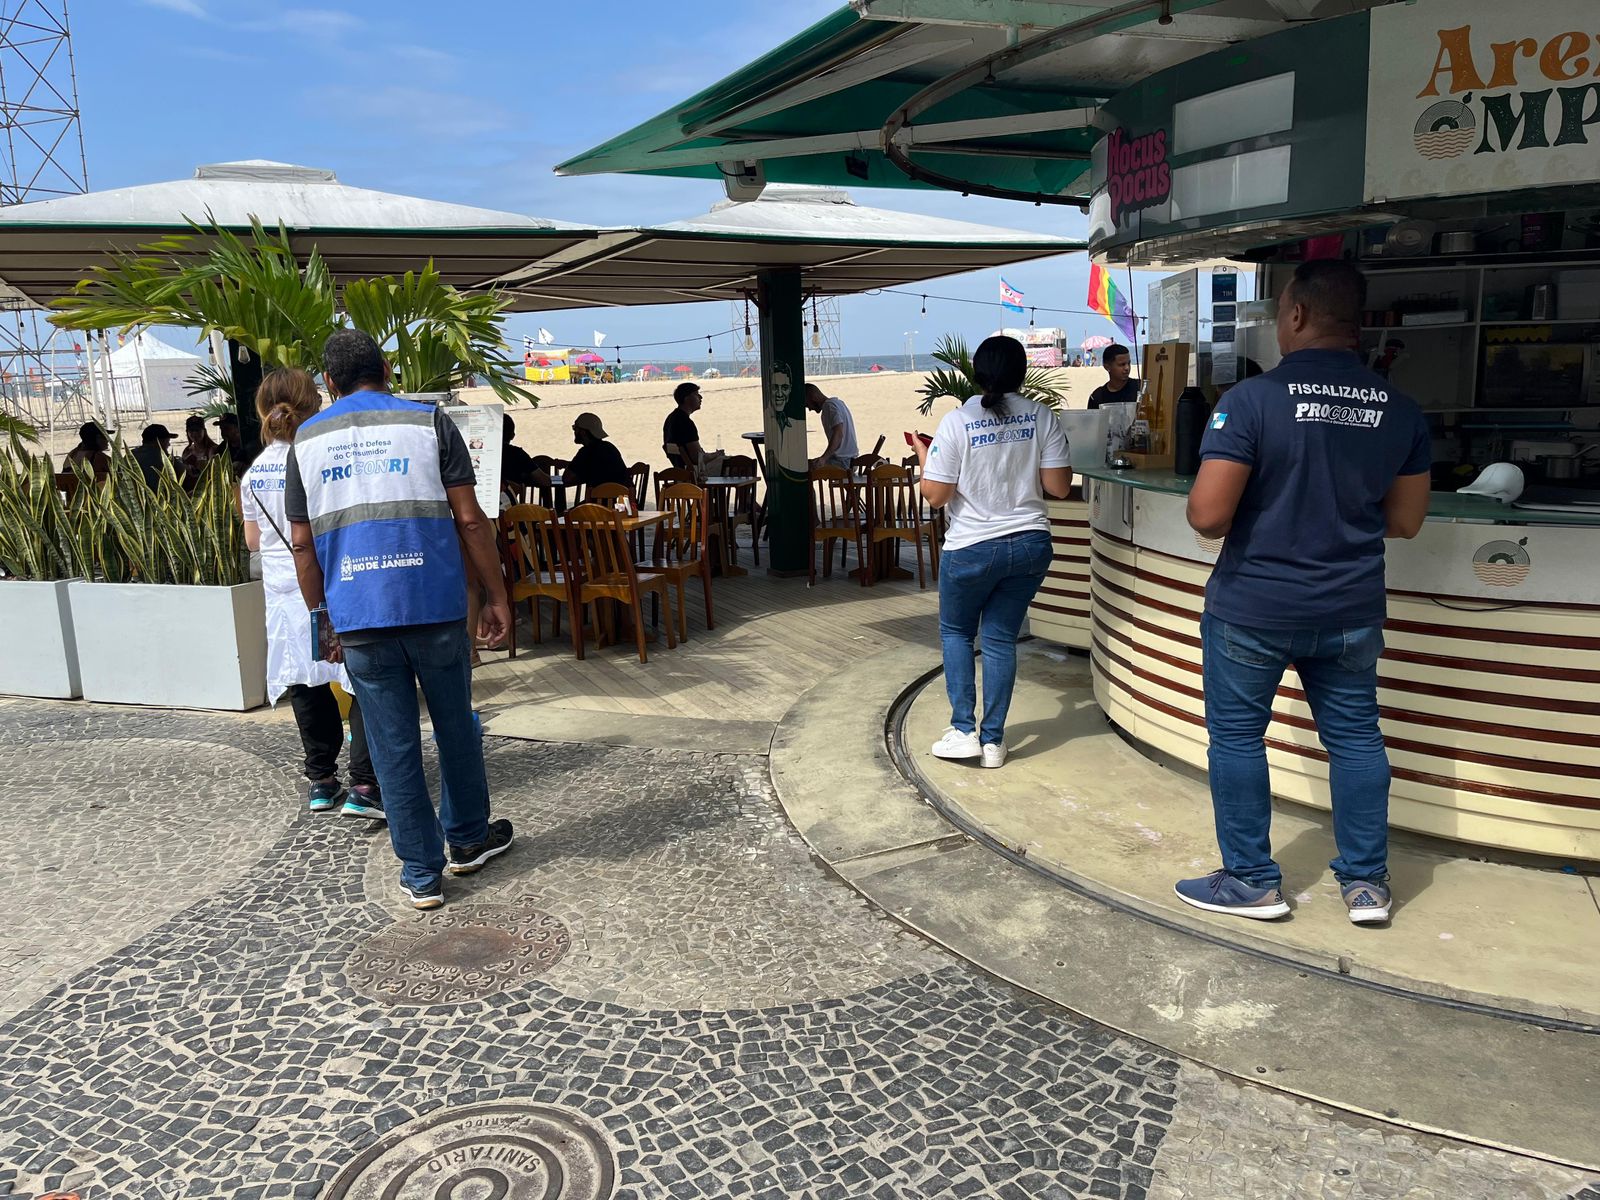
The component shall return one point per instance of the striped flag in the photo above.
(1010, 298)
(1105, 299)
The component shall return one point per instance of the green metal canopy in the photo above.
(995, 96)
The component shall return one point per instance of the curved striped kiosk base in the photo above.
(1490, 695)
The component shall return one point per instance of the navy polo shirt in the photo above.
(1324, 439)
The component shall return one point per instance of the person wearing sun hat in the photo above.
(597, 460)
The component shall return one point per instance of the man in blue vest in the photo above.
(1306, 470)
(379, 495)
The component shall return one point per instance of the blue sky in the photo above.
(473, 102)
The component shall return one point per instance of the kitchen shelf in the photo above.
(1415, 328)
(1489, 324)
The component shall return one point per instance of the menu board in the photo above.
(480, 426)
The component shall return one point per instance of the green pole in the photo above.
(780, 294)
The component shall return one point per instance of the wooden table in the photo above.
(718, 490)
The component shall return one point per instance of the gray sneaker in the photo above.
(1366, 902)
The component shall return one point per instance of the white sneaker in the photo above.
(994, 755)
(955, 744)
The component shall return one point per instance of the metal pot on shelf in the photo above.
(1562, 467)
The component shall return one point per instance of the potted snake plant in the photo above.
(167, 613)
(39, 558)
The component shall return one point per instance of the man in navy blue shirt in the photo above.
(1306, 470)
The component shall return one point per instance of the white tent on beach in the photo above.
(147, 375)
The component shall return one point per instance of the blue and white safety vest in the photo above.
(380, 518)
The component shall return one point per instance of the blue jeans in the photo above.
(987, 587)
(385, 674)
(1339, 668)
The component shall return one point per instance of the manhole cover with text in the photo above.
(456, 955)
(504, 1150)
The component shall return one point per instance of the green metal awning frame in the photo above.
(997, 97)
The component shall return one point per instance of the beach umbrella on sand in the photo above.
(875, 367)
(588, 358)
(683, 369)
(649, 369)
(1097, 342)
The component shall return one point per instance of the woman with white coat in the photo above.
(285, 400)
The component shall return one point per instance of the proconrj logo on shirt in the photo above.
(380, 466)
(1218, 420)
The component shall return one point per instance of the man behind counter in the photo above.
(1119, 385)
(1305, 470)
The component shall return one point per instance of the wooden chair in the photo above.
(685, 547)
(543, 462)
(639, 473)
(538, 548)
(833, 517)
(865, 462)
(599, 548)
(742, 509)
(894, 514)
(607, 494)
(670, 476)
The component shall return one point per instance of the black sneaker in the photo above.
(363, 801)
(464, 860)
(325, 795)
(428, 896)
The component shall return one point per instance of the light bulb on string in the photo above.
(749, 342)
(924, 306)
(1031, 313)
(816, 325)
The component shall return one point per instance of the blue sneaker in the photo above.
(325, 795)
(1366, 902)
(1220, 892)
(363, 801)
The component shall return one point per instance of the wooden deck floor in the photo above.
(774, 639)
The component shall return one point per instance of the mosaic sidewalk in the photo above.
(205, 991)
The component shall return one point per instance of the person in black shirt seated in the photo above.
(1119, 386)
(597, 460)
(153, 443)
(242, 453)
(516, 464)
(679, 437)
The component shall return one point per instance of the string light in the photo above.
(749, 342)
(1031, 313)
(924, 306)
(816, 325)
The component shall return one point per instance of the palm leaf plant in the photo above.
(953, 380)
(37, 539)
(257, 292)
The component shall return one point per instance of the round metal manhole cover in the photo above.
(504, 1150)
(456, 955)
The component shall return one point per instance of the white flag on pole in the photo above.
(599, 337)
(546, 338)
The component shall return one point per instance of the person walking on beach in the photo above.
(1305, 470)
(838, 426)
(380, 499)
(993, 461)
(285, 400)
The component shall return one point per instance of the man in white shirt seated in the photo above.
(837, 424)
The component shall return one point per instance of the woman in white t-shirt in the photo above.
(285, 400)
(992, 463)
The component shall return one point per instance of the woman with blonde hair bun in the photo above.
(285, 400)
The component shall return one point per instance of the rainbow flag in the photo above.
(1105, 299)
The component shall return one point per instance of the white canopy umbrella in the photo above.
(48, 245)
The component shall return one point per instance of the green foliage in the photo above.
(11, 426)
(954, 379)
(119, 530)
(257, 293)
(37, 540)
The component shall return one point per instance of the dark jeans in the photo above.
(386, 674)
(316, 712)
(986, 589)
(1339, 670)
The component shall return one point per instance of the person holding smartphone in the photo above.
(991, 463)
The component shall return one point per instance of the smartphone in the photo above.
(910, 439)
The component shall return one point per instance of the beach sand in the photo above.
(633, 412)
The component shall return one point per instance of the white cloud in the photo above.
(410, 111)
(187, 8)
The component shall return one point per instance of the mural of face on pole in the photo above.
(789, 446)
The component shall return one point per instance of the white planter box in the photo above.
(174, 647)
(38, 655)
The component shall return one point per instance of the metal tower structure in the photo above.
(43, 376)
(822, 338)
